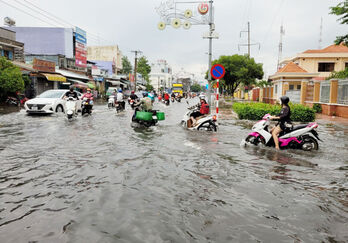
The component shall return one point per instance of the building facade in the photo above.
(9, 47)
(46, 40)
(161, 77)
(110, 54)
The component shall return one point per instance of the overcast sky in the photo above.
(132, 24)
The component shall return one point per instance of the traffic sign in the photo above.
(217, 71)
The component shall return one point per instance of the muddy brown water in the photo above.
(97, 179)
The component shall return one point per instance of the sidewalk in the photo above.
(335, 120)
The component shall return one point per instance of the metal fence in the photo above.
(342, 92)
(325, 92)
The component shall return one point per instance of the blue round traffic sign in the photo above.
(217, 71)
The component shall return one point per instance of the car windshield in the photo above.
(52, 94)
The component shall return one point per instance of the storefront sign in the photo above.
(80, 48)
(44, 66)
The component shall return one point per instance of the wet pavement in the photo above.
(97, 179)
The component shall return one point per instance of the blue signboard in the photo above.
(217, 71)
(81, 39)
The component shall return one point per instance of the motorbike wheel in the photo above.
(309, 144)
(207, 126)
(255, 140)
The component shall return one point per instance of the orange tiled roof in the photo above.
(330, 49)
(291, 67)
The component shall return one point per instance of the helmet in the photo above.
(120, 90)
(88, 89)
(202, 97)
(285, 100)
(144, 94)
(132, 92)
(151, 96)
(71, 88)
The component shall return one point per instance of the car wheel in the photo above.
(59, 108)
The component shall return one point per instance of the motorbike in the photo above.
(178, 99)
(303, 136)
(173, 99)
(167, 102)
(131, 102)
(205, 123)
(70, 108)
(150, 123)
(120, 106)
(111, 101)
(87, 105)
(12, 101)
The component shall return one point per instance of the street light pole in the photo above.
(211, 30)
(135, 68)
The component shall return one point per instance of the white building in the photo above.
(161, 75)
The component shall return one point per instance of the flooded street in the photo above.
(97, 179)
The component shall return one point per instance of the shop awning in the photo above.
(116, 83)
(141, 87)
(78, 83)
(54, 77)
(91, 86)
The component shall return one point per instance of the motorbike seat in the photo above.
(298, 127)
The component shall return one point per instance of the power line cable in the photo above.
(28, 13)
(62, 20)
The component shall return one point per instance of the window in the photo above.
(276, 89)
(298, 86)
(346, 64)
(326, 67)
(291, 87)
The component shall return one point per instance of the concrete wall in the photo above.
(7, 34)
(46, 40)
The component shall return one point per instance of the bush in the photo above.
(255, 111)
(317, 108)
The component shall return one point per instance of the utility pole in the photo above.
(135, 68)
(280, 51)
(321, 33)
(249, 41)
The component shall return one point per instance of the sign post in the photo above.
(217, 72)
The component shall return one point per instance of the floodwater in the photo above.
(97, 179)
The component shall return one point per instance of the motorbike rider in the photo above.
(71, 93)
(166, 96)
(133, 96)
(284, 120)
(204, 110)
(145, 104)
(88, 94)
(119, 98)
(152, 97)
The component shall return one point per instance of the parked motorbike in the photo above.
(111, 101)
(70, 108)
(303, 136)
(87, 105)
(120, 106)
(205, 123)
(12, 101)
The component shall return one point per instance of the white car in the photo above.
(49, 102)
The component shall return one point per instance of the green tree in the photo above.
(126, 65)
(240, 70)
(340, 75)
(195, 88)
(11, 79)
(144, 68)
(262, 83)
(341, 10)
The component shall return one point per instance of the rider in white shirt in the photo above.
(119, 98)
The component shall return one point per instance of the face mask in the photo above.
(88, 92)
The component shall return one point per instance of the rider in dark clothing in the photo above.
(72, 93)
(284, 119)
(133, 96)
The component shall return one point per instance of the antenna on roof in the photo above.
(280, 51)
(321, 33)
